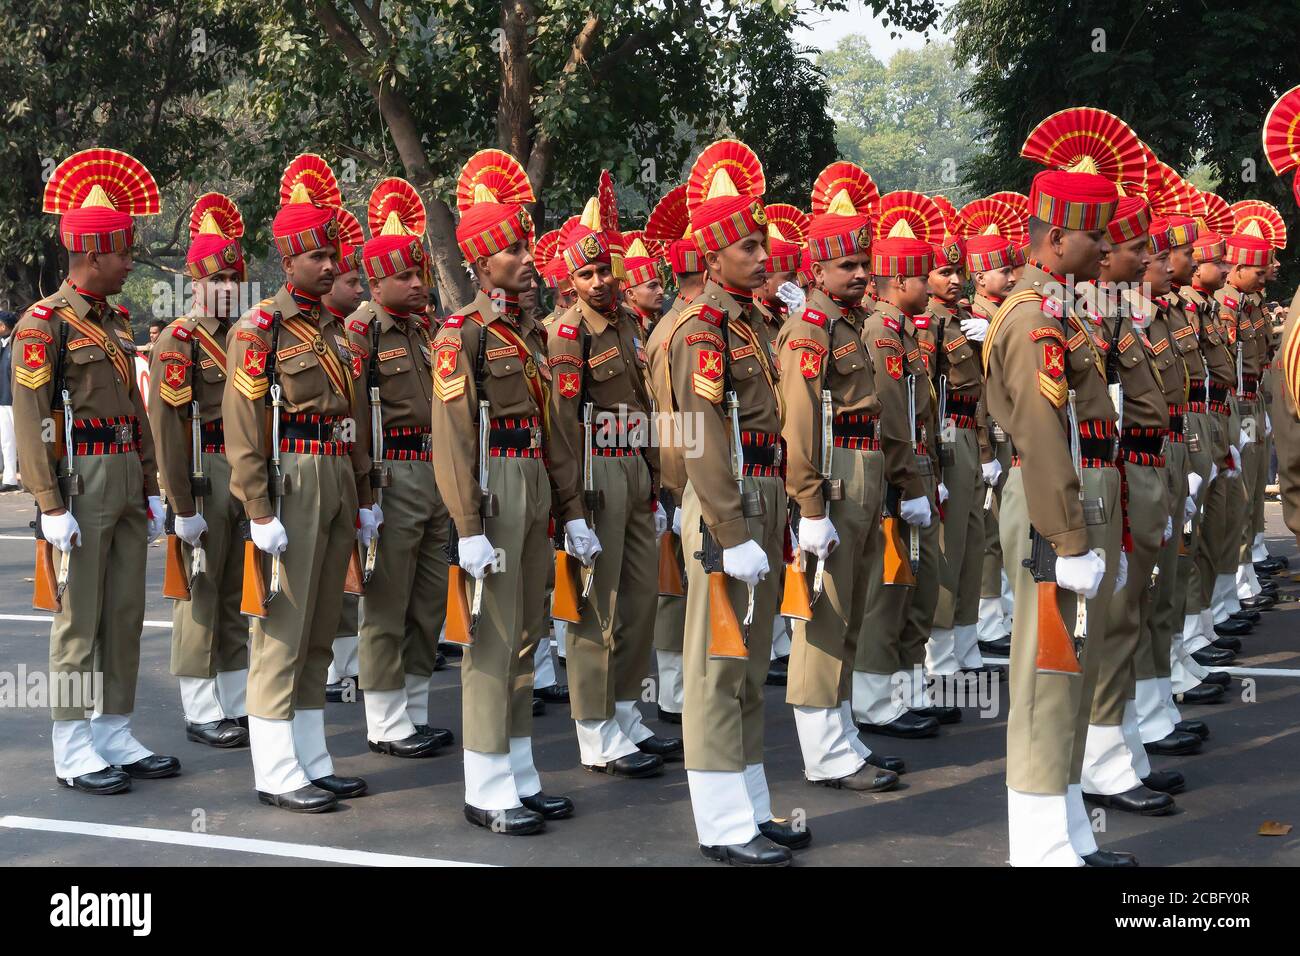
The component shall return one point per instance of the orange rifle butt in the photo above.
(565, 603)
(670, 570)
(45, 592)
(353, 580)
(457, 607)
(1055, 645)
(796, 598)
(253, 600)
(898, 568)
(725, 637)
(176, 582)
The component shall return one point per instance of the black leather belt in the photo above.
(325, 430)
(407, 440)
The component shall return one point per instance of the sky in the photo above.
(824, 30)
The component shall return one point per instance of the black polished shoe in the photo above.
(670, 716)
(907, 725)
(334, 692)
(341, 787)
(442, 735)
(1217, 679)
(539, 707)
(1233, 627)
(781, 832)
(451, 651)
(440, 662)
(1198, 727)
(670, 748)
(99, 782)
(999, 648)
(778, 672)
(1213, 657)
(242, 721)
(866, 779)
(1250, 617)
(517, 821)
(152, 767)
(1177, 744)
(555, 694)
(759, 851)
(1260, 602)
(1202, 694)
(1268, 586)
(223, 733)
(1140, 800)
(1271, 565)
(1111, 858)
(307, 799)
(1230, 644)
(551, 808)
(945, 715)
(892, 764)
(1165, 781)
(633, 766)
(414, 746)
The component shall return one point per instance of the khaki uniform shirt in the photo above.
(187, 362)
(404, 362)
(893, 359)
(98, 372)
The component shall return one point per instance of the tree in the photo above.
(1193, 80)
(131, 74)
(904, 122)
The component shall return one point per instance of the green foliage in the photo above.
(904, 122)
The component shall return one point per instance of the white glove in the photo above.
(1121, 578)
(746, 562)
(1214, 471)
(367, 525)
(792, 296)
(1081, 573)
(580, 541)
(269, 537)
(943, 492)
(817, 536)
(1235, 470)
(190, 528)
(992, 471)
(1169, 530)
(975, 328)
(661, 519)
(60, 530)
(1189, 508)
(1194, 483)
(157, 517)
(677, 522)
(916, 511)
(1268, 425)
(1244, 438)
(476, 555)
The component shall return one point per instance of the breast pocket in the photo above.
(212, 374)
(608, 381)
(507, 386)
(1138, 381)
(397, 377)
(1081, 358)
(301, 377)
(849, 358)
(90, 377)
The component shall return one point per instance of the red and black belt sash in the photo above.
(213, 437)
(305, 433)
(515, 437)
(408, 443)
(763, 453)
(1097, 444)
(1177, 421)
(1143, 446)
(105, 436)
(961, 409)
(855, 432)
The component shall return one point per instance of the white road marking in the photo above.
(1235, 671)
(300, 851)
(16, 537)
(47, 618)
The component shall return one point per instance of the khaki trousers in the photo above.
(1196, 426)
(670, 614)
(98, 630)
(1048, 721)
(722, 718)
(293, 645)
(609, 649)
(1130, 605)
(406, 598)
(991, 579)
(961, 536)
(208, 632)
(824, 649)
(1169, 597)
(497, 671)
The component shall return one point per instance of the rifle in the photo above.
(458, 611)
(725, 638)
(566, 604)
(1240, 350)
(176, 585)
(1113, 384)
(897, 569)
(380, 476)
(796, 603)
(257, 594)
(832, 488)
(671, 572)
(487, 504)
(913, 532)
(592, 499)
(1056, 649)
(48, 584)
